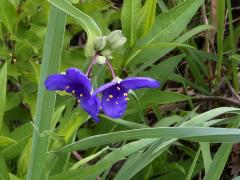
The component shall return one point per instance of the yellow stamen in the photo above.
(78, 101)
(118, 88)
(110, 96)
(73, 91)
(127, 99)
(125, 94)
(116, 102)
(67, 87)
(81, 95)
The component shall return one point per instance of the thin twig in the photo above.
(234, 92)
(77, 155)
(218, 99)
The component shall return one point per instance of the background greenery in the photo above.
(190, 46)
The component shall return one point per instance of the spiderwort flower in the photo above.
(76, 83)
(115, 94)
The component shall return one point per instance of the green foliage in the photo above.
(166, 133)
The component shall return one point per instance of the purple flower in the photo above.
(76, 83)
(115, 94)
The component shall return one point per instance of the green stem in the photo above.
(220, 34)
(140, 110)
(46, 99)
(233, 48)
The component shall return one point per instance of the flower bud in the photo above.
(99, 43)
(106, 52)
(114, 36)
(121, 41)
(100, 59)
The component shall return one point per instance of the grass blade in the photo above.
(233, 48)
(218, 163)
(190, 173)
(217, 135)
(220, 35)
(46, 100)
(87, 23)
(3, 88)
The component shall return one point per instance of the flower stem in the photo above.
(91, 65)
(111, 69)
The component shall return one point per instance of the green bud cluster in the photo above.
(107, 44)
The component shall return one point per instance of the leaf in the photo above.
(87, 159)
(90, 172)
(220, 35)
(88, 24)
(21, 135)
(13, 177)
(23, 161)
(162, 70)
(4, 171)
(51, 60)
(6, 141)
(8, 15)
(206, 155)
(13, 100)
(218, 163)
(129, 17)
(190, 172)
(158, 97)
(217, 135)
(148, 58)
(3, 89)
(146, 18)
(166, 28)
(128, 124)
(133, 166)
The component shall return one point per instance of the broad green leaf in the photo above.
(6, 141)
(4, 171)
(13, 100)
(87, 23)
(23, 161)
(162, 97)
(21, 135)
(180, 79)
(3, 89)
(129, 17)
(157, 98)
(166, 28)
(30, 100)
(162, 71)
(56, 116)
(13, 177)
(8, 15)
(146, 18)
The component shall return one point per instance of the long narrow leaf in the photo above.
(46, 100)
(217, 135)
